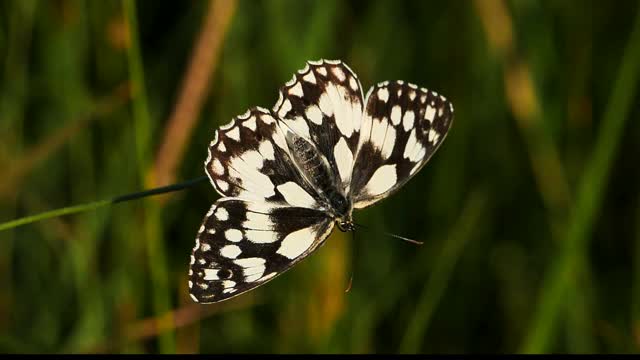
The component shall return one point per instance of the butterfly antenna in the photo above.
(393, 235)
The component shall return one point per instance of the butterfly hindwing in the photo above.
(322, 103)
(243, 244)
(403, 125)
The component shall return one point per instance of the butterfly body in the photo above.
(317, 172)
(290, 174)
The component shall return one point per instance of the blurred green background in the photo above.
(530, 211)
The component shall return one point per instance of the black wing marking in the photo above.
(402, 127)
(322, 103)
(249, 158)
(244, 244)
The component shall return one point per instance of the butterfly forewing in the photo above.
(403, 125)
(249, 158)
(243, 244)
(322, 103)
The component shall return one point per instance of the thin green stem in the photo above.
(96, 204)
(54, 213)
(588, 200)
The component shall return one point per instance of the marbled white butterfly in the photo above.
(287, 175)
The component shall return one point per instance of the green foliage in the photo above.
(529, 212)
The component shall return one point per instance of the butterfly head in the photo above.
(346, 224)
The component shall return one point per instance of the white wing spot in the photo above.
(382, 180)
(418, 154)
(234, 134)
(310, 78)
(322, 71)
(412, 95)
(325, 104)
(256, 276)
(266, 150)
(257, 221)
(353, 83)
(221, 147)
(295, 195)
(268, 276)
(205, 247)
(433, 136)
(230, 251)
(378, 132)
(247, 169)
(211, 274)
(389, 143)
(285, 108)
(383, 94)
(314, 114)
(250, 262)
(228, 284)
(229, 291)
(234, 235)
(222, 214)
(399, 92)
(261, 236)
(338, 73)
(407, 120)
(296, 90)
(428, 115)
(411, 143)
(217, 167)
(267, 119)
(396, 114)
(344, 159)
(192, 260)
(296, 243)
(250, 123)
(298, 125)
(194, 298)
(223, 185)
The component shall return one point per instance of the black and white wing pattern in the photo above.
(322, 103)
(268, 218)
(289, 174)
(402, 127)
(243, 244)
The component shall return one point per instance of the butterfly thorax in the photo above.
(317, 173)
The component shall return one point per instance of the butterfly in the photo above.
(288, 175)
